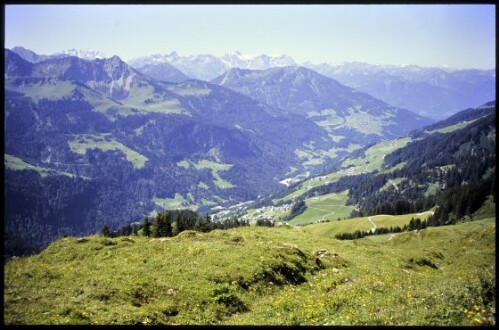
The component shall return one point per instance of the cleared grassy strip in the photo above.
(392, 184)
(178, 202)
(375, 155)
(191, 91)
(52, 89)
(330, 229)
(215, 168)
(363, 122)
(221, 183)
(325, 207)
(451, 128)
(203, 185)
(314, 182)
(166, 107)
(17, 164)
(81, 143)
(372, 162)
(184, 163)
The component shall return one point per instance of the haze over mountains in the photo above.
(428, 91)
(207, 67)
(431, 92)
(93, 141)
(340, 110)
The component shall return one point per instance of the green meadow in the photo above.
(439, 276)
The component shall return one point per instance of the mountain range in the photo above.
(33, 57)
(432, 92)
(428, 91)
(340, 110)
(207, 67)
(97, 141)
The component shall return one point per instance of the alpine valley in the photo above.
(100, 142)
(141, 192)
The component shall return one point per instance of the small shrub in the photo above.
(226, 297)
(103, 294)
(79, 317)
(107, 242)
(421, 262)
(139, 296)
(82, 240)
(236, 239)
(170, 311)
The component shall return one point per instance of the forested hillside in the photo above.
(96, 141)
(455, 157)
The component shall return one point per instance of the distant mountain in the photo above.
(260, 62)
(207, 67)
(163, 72)
(111, 76)
(341, 110)
(15, 65)
(33, 57)
(86, 54)
(203, 67)
(29, 55)
(431, 92)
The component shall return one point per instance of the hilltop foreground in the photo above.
(260, 276)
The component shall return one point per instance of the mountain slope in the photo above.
(431, 92)
(134, 146)
(163, 72)
(15, 65)
(203, 67)
(459, 119)
(29, 55)
(260, 62)
(33, 57)
(417, 171)
(339, 109)
(207, 67)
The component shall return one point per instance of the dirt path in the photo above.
(431, 212)
(394, 185)
(322, 210)
(373, 223)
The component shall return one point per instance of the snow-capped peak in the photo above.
(86, 54)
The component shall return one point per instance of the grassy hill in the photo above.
(330, 229)
(261, 276)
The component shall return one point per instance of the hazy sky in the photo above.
(460, 36)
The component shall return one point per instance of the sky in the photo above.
(457, 36)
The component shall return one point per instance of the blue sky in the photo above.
(459, 36)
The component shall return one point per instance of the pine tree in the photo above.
(105, 231)
(147, 227)
(166, 228)
(162, 225)
(135, 229)
(175, 230)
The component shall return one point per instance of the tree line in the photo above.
(298, 208)
(414, 224)
(462, 201)
(172, 222)
(452, 205)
